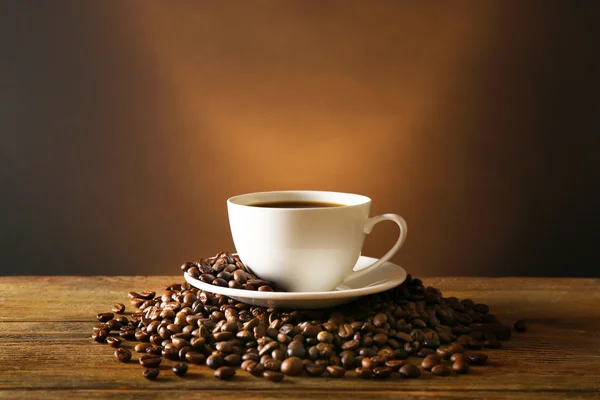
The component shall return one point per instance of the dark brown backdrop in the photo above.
(125, 126)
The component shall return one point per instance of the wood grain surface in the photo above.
(46, 350)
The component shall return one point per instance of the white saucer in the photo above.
(387, 276)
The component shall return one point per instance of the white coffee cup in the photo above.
(305, 249)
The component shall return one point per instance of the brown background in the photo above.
(126, 125)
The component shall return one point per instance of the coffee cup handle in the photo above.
(371, 222)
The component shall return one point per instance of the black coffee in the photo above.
(296, 204)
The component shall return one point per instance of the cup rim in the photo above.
(359, 199)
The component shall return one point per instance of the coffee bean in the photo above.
(458, 356)
(149, 360)
(325, 337)
(460, 366)
(410, 371)
(273, 376)
(382, 372)
(477, 359)
(423, 352)
(520, 326)
(272, 364)
(180, 369)
(336, 371)
(292, 366)
(257, 370)
(240, 276)
(394, 364)
(364, 373)
(104, 317)
(151, 373)
(220, 282)
(215, 361)
(268, 348)
(233, 360)
(224, 373)
(265, 288)
(430, 361)
(153, 349)
(113, 342)
(170, 353)
(247, 364)
(314, 369)
(100, 336)
(380, 320)
(440, 370)
(141, 347)
(123, 355)
(311, 331)
(118, 308)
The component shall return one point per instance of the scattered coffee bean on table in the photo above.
(373, 335)
(180, 369)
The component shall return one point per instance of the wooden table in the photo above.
(46, 350)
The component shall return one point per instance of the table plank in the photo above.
(45, 323)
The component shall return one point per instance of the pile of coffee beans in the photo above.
(377, 336)
(226, 270)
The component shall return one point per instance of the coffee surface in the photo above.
(296, 204)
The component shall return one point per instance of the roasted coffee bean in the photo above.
(394, 364)
(257, 370)
(458, 356)
(477, 359)
(520, 326)
(430, 361)
(170, 353)
(314, 369)
(325, 337)
(265, 288)
(153, 349)
(100, 336)
(142, 336)
(149, 360)
(215, 361)
(311, 330)
(268, 348)
(460, 366)
(364, 373)
(118, 308)
(180, 369)
(440, 370)
(423, 352)
(104, 317)
(336, 371)
(247, 364)
(251, 356)
(113, 342)
(224, 372)
(400, 354)
(292, 366)
(380, 320)
(382, 372)
(273, 376)
(151, 373)
(410, 371)
(272, 364)
(123, 355)
(141, 347)
(233, 360)
(220, 282)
